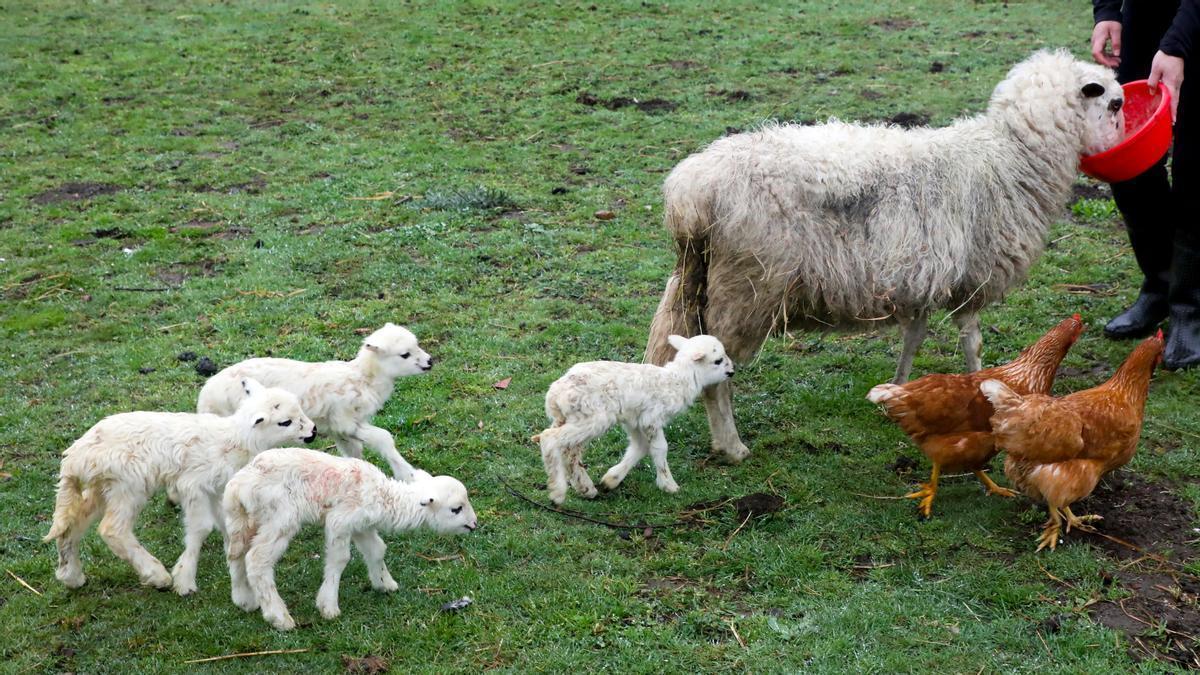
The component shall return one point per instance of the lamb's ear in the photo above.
(698, 356)
(426, 501)
(677, 341)
(1092, 90)
(372, 347)
(251, 386)
(258, 421)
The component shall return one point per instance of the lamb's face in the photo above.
(1102, 98)
(398, 352)
(275, 416)
(450, 510)
(706, 354)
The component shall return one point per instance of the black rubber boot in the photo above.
(1151, 234)
(1183, 338)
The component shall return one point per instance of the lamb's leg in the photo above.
(718, 403)
(349, 447)
(555, 463)
(969, 339)
(198, 522)
(266, 550)
(658, 452)
(580, 480)
(337, 554)
(70, 567)
(372, 549)
(381, 441)
(914, 334)
(638, 448)
(116, 528)
(239, 586)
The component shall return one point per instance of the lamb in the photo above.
(847, 227)
(124, 459)
(643, 398)
(267, 502)
(340, 396)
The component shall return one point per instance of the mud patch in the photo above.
(908, 120)
(757, 504)
(734, 96)
(903, 465)
(75, 192)
(1089, 191)
(367, 665)
(649, 105)
(1161, 617)
(892, 24)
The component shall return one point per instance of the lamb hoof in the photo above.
(159, 578)
(610, 482)
(668, 485)
(71, 580)
(736, 454)
(185, 588)
(387, 586)
(328, 612)
(285, 622)
(248, 604)
(558, 497)
(590, 493)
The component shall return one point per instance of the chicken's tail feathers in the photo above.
(1000, 394)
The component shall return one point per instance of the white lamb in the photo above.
(340, 396)
(268, 501)
(124, 459)
(643, 398)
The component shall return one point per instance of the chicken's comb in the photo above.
(1159, 335)
(1077, 316)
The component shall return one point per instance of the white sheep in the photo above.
(848, 227)
(116, 466)
(268, 501)
(643, 398)
(340, 396)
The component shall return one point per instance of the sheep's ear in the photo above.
(426, 501)
(677, 341)
(697, 356)
(1092, 90)
(251, 386)
(372, 347)
(258, 421)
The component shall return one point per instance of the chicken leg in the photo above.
(992, 488)
(926, 494)
(1050, 531)
(1079, 521)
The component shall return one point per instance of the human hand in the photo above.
(1168, 70)
(1102, 34)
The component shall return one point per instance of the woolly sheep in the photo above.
(124, 459)
(843, 226)
(642, 398)
(268, 501)
(340, 396)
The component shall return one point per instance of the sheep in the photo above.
(843, 226)
(642, 398)
(118, 464)
(268, 500)
(340, 396)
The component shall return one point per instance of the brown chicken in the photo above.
(947, 416)
(1058, 448)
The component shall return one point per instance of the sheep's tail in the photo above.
(239, 530)
(681, 310)
(70, 507)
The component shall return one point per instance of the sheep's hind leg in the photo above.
(266, 550)
(552, 459)
(372, 548)
(639, 447)
(658, 452)
(116, 528)
(337, 554)
(718, 403)
(969, 339)
(914, 331)
(580, 480)
(70, 567)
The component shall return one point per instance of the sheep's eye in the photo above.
(405, 355)
(285, 423)
(718, 361)
(457, 509)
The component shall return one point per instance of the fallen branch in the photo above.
(245, 654)
(142, 289)
(739, 529)
(22, 582)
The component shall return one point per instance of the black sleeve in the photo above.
(1106, 10)
(1184, 30)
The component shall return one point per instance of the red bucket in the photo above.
(1147, 136)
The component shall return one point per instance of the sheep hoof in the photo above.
(736, 453)
(159, 578)
(387, 586)
(248, 604)
(328, 612)
(71, 580)
(668, 485)
(185, 588)
(284, 622)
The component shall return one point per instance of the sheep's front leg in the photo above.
(266, 550)
(718, 403)
(337, 554)
(349, 447)
(969, 339)
(914, 334)
(198, 522)
(372, 549)
(116, 528)
(658, 452)
(381, 441)
(639, 446)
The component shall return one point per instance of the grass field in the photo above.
(243, 178)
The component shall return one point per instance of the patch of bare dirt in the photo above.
(1089, 191)
(1162, 614)
(908, 120)
(648, 105)
(892, 24)
(367, 665)
(75, 192)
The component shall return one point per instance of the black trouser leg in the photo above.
(1183, 342)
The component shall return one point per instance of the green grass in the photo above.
(243, 135)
